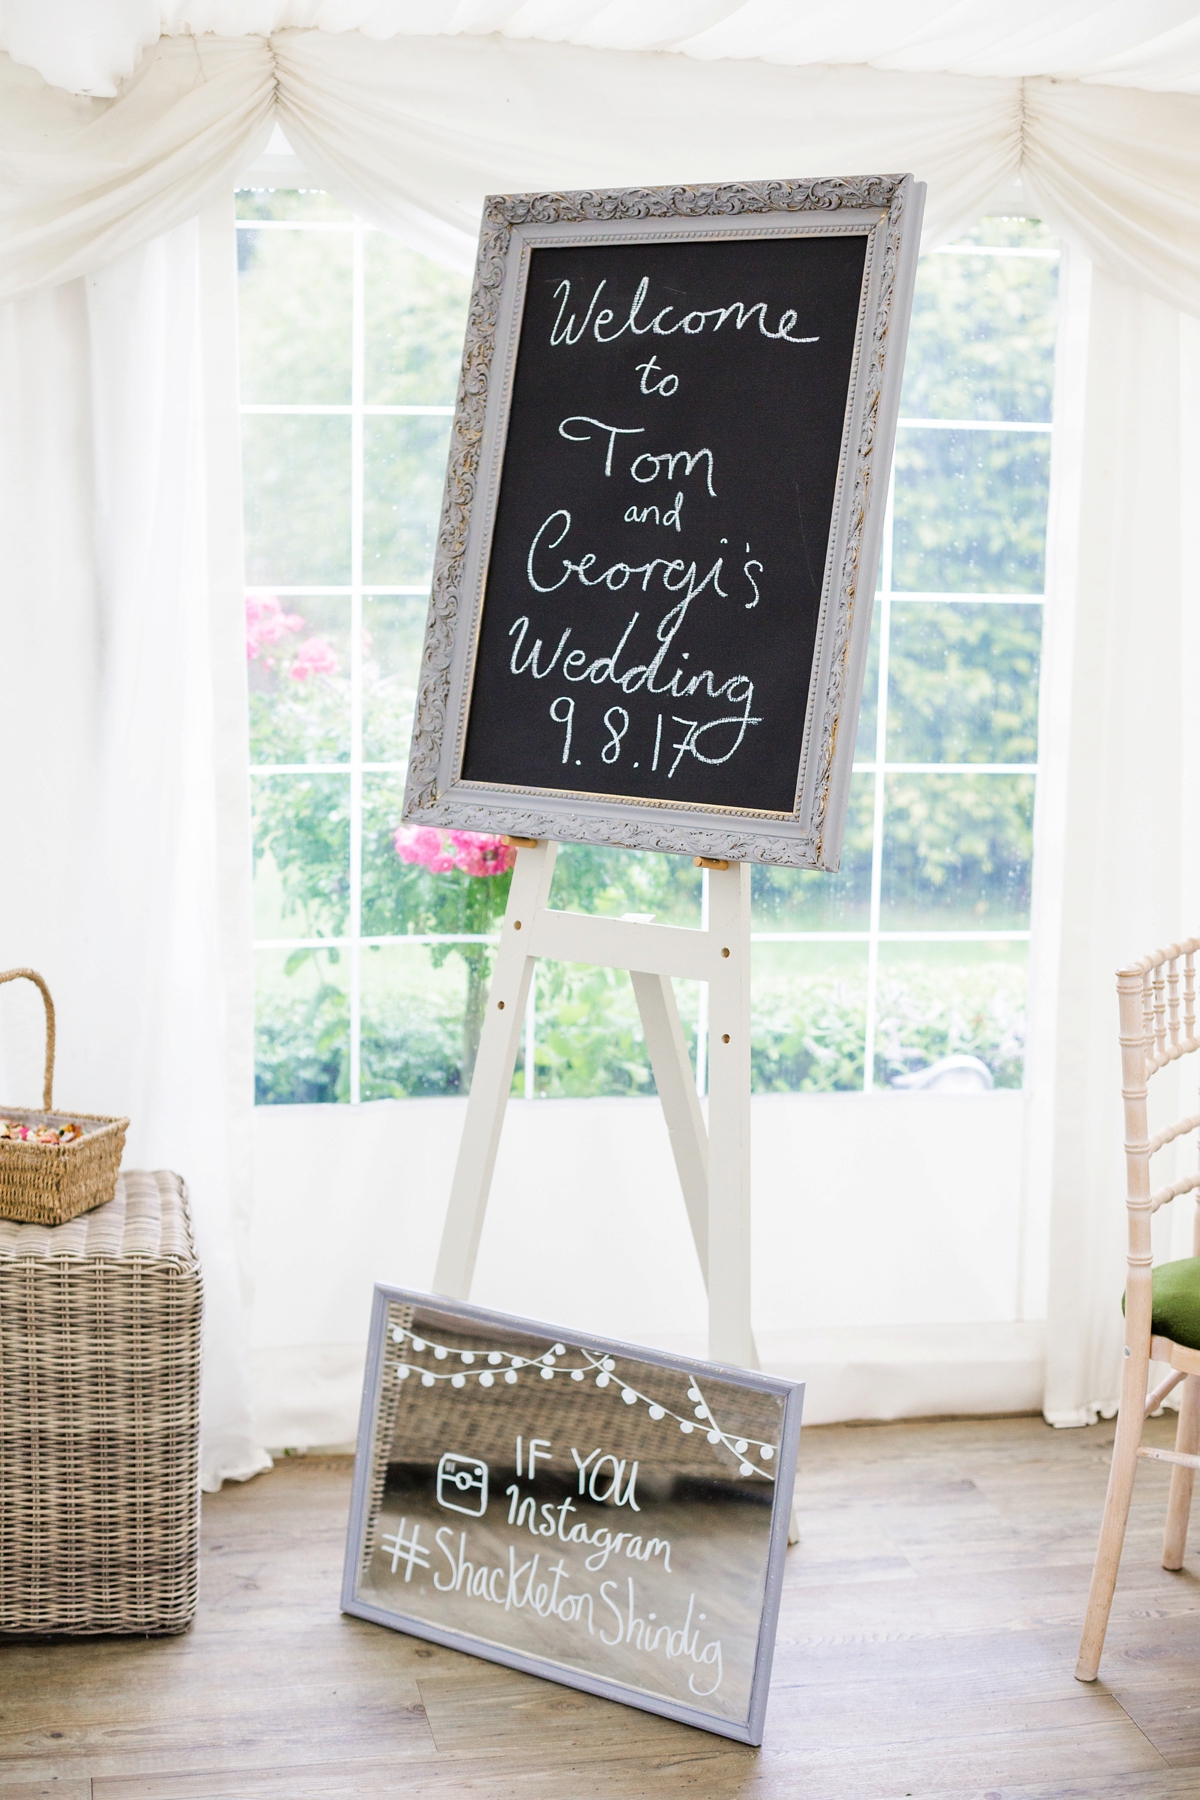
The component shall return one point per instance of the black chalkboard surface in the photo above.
(663, 514)
(663, 519)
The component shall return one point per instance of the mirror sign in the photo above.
(591, 1512)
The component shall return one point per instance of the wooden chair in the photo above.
(1162, 1306)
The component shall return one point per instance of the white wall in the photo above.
(903, 1211)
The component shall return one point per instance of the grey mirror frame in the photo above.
(790, 1392)
(889, 208)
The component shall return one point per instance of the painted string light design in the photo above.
(486, 1367)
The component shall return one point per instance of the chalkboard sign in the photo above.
(597, 1514)
(663, 510)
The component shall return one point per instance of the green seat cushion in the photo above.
(1176, 1288)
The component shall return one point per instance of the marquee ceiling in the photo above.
(90, 46)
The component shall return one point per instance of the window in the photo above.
(373, 950)
(917, 949)
(350, 348)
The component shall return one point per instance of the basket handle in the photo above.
(48, 1082)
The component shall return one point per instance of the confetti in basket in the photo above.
(53, 1165)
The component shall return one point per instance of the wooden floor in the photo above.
(926, 1646)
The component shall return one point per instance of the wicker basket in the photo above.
(47, 1184)
(99, 1417)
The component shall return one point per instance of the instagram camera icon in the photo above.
(462, 1485)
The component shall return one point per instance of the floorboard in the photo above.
(927, 1639)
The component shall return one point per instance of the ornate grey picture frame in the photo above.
(764, 774)
(602, 1515)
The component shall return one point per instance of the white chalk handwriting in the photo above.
(651, 464)
(518, 1587)
(565, 329)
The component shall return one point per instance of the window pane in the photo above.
(808, 1018)
(864, 748)
(963, 682)
(970, 511)
(939, 1000)
(393, 636)
(402, 897)
(397, 897)
(289, 203)
(589, 1035)
(297, 479)
(301, 1028)
(416, 314)
(957, 852)
(589, 879)
(414, 897)
(1011, 231)
(414, 1019)
(809, 899)
(301, 855)
(981, 343)
(299, 674)
(294, 315)
(405, 472)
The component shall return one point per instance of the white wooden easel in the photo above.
(713, 1165)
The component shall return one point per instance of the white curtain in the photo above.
(1122, 849)
(105, 548)
(112, 656)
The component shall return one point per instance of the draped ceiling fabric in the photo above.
(415, 130)
(90, 46)
(113, 136)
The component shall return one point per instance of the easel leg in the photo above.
(493, 1075)
(729, 1336)
(678, 1098)
(681, 1107)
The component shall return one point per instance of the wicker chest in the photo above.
(99, 1416)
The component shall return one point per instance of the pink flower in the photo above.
(267, 623)
(475, 853)
(315, 657)
(419, 844)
